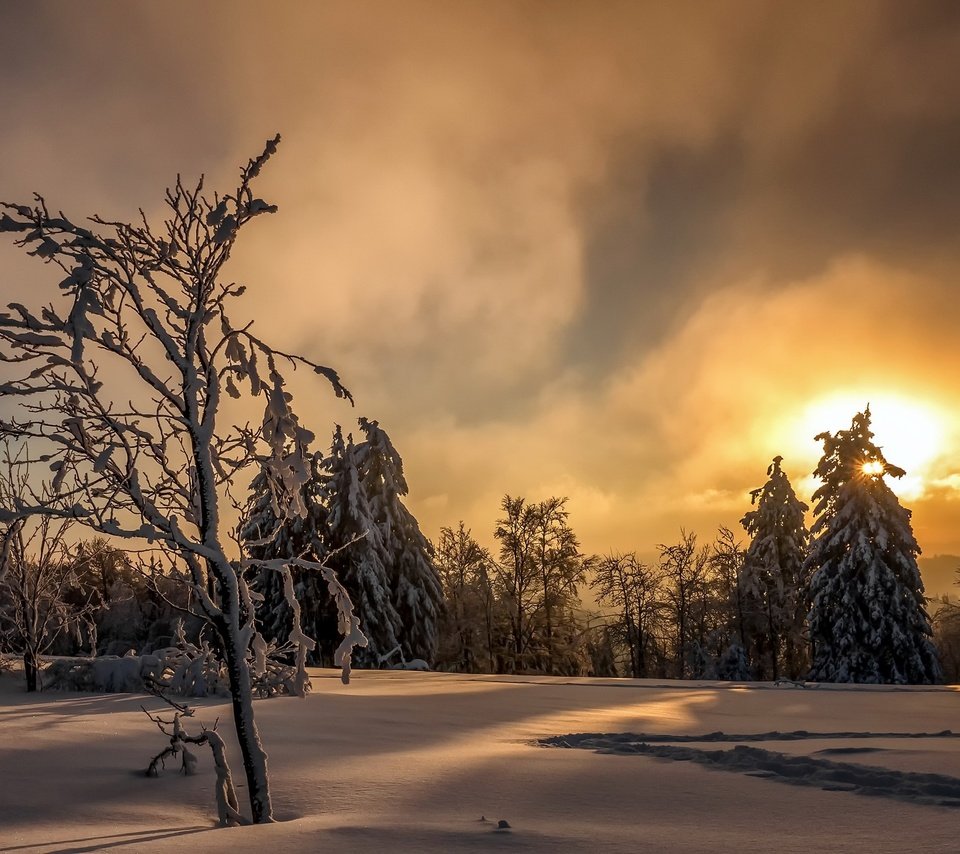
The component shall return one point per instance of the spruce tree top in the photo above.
(847, 455)
(773, 501)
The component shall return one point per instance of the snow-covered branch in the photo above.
(119, 381)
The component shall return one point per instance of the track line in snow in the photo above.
(578, 739)
(826, 774)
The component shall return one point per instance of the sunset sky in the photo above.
(623, 252)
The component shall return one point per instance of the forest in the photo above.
(738, 606)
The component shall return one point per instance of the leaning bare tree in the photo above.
(119, 383)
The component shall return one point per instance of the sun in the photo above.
(910, 432)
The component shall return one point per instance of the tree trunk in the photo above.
(30, 669)
(29, 630)
(547, 612)
(518, 640)
(254, 756)
(773, 641)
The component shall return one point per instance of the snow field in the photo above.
(404, 761)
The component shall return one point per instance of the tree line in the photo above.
(842, 602)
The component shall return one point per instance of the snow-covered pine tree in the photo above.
(266, 534)
(416, 590)
(868, 620)
(774, 582)
(355, 545)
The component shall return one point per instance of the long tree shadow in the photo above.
(103, 842)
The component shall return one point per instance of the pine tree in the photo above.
(356, 547)
(868, 620)
(416, 592)
(774, 584)
(267, 535)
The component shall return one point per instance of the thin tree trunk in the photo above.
(248, 736)
(29, 632)
(544, 574)
(518, 645)
(30, 669)
(773, 641)
(488, 614)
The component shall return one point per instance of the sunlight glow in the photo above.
(872, 467)
(911, 433)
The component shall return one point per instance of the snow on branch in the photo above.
(347, 620)
(119, 382)
(149, 299)
(228, 807)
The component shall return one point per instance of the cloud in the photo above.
(613, 254)
(680, 436)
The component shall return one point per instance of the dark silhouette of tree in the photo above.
(683, 567)
(868, 620)
(775, 581)
(635, 590)
(560, 564)
(465, 569)
(517, 573)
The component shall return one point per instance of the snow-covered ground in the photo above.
(411, 761)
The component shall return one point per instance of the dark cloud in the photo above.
(527, 229)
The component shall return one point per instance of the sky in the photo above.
(620, 252)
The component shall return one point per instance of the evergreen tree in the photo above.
(868, 620)
(774, 583)
(267, 534)
(416, 592)
(355, 542)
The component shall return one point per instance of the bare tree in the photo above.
(120, 381)
(946, 636)
(517, 572)
(635, 589)
(465, 567)
(43, 591)
(684, 569)
(561, 565)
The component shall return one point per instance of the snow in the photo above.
(411, 761)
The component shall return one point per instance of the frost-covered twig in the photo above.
(188, 763)
(228, 809)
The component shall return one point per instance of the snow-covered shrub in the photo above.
(732, 666)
